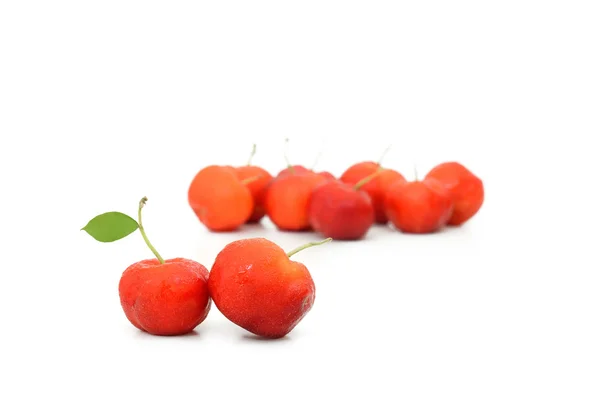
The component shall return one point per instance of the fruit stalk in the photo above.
(252, 153)
(384, 154)
(317, 158)
(143, 232)
(367, 179)
(285, 156)
(306, 246)
(250, 179)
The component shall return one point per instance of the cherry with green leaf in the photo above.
(114, 225)
(163, 297)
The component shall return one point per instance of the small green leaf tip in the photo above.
(110, 226)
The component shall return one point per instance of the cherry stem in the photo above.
(252, 153)
(143, 232)
(367, 179)
(384, 154)
(285, 155)
(317, 158)
(250, 180)
(415, 172)
(307, 245)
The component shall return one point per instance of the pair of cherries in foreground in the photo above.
(298, 199)
(252, 282)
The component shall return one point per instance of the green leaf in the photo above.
(110, 226)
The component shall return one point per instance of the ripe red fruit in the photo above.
(257, 180)
(466, 190)
(220, 200)
(158, 296)
(419, 206)
(287, 200)
(377, 187)
(165, 299)
(256, 286)
(341, 211)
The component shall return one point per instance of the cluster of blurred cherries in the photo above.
(345, 208)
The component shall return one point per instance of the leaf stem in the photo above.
(307, 245)
(252, 153)
(143, 232)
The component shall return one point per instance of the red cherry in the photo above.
(419, 206)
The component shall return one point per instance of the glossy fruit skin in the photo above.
(287, 200)
(294, 170)
(165, 299)
(258, 188)
(376, 188)
(418, 207)
(339, 211)
(466, 190)
(257, 287)
(219, 200)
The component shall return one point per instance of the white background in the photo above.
(102, 103)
